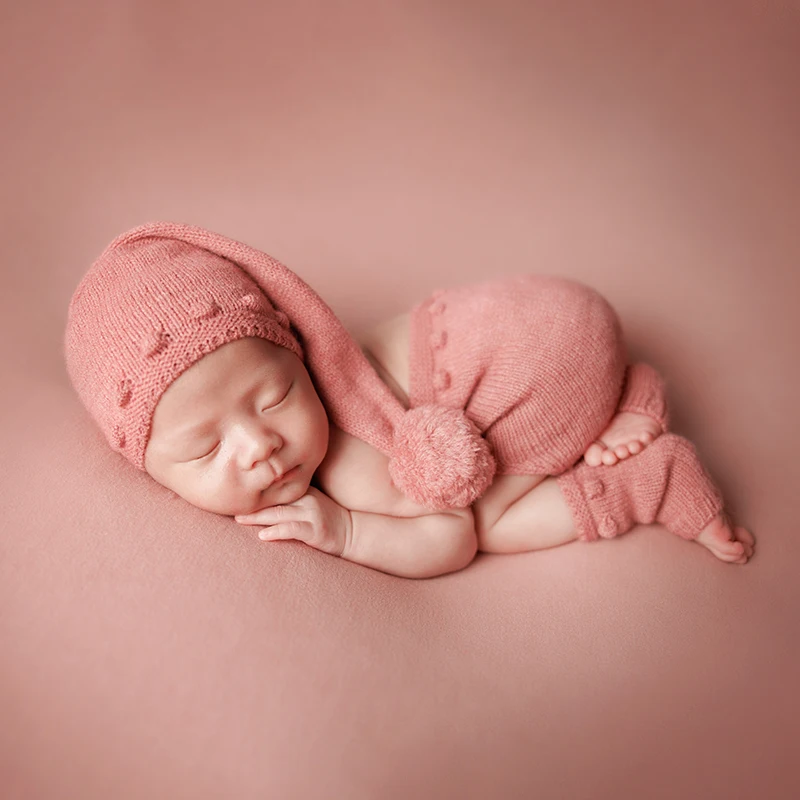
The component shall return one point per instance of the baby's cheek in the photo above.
(207, 491)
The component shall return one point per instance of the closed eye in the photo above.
(281, 401)
(206, 455)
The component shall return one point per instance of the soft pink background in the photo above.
(382, 149)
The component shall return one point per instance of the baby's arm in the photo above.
(412, 547)
(421, 546)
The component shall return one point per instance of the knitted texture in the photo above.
(513, 376)
(143, 316)
(162, 295)
(453, 442)
(666, 483)
(645, 393)
(536, 362)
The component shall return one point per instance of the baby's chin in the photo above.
(269, 498)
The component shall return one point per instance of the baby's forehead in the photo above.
(258, 358)
(234, 371)
(249, 359)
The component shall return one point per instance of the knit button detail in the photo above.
(608, 527)
(205, 309)
(118, 437)
(595, 489)
(438, 339)
(124, 391)
(153, 342)
(442, 380)
(250, 301)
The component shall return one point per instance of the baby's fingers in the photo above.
(256, 518)
(282, 522)
(266, 516)
(283, 530)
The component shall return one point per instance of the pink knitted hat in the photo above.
(163, 295)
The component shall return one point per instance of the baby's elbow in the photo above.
(459, 543)
(466, 548)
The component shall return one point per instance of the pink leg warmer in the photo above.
(644, 392)
(666, 484)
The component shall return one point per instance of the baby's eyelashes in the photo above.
(279, 402)
(206, 453)
(212, 450)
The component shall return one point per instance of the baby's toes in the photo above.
(734, 554)
(731, 555)
(622, 452)
(646, 438)
(635, 447)
(735, 548)
(747, 540)
(593, 456)
(744, 535)
(609, 458)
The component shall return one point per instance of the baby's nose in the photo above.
(254, 445)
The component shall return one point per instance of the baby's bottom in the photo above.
(665, 484)
(538, 363)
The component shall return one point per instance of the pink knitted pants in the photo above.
(539, 364)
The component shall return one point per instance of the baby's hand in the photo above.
(314, 519)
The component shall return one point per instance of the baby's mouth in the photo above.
(280, 479)
(288, 475)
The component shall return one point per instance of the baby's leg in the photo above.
(642, 416)
(666, 484)
(540, 518)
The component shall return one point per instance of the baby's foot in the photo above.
(726, 541)
(628, 433)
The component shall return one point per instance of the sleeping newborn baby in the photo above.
(501, 416)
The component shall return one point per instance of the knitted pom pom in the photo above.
(439, 458)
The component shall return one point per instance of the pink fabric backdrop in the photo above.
(381, 150)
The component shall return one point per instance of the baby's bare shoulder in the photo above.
(356, 475)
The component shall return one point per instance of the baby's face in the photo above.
(236, 419)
